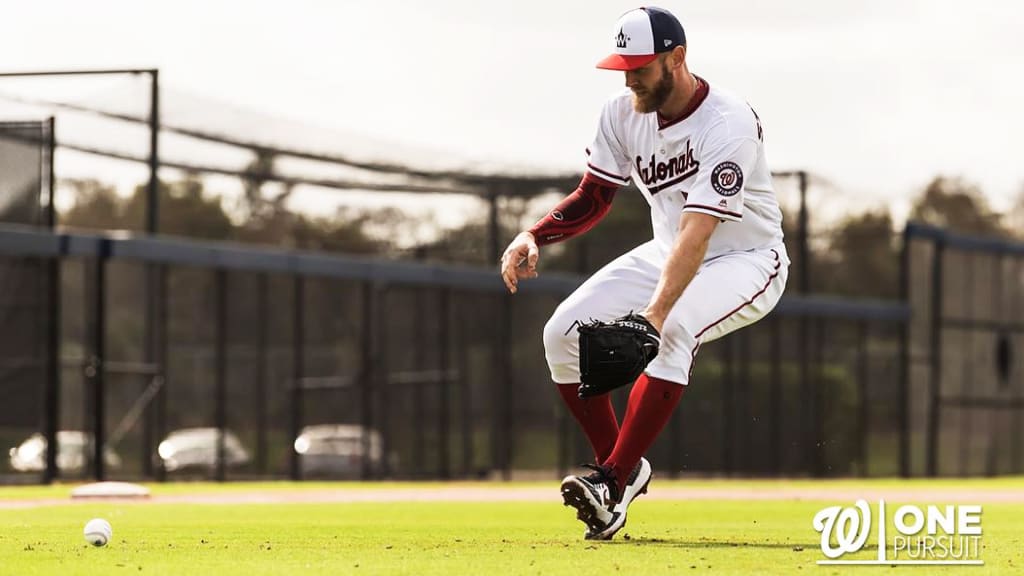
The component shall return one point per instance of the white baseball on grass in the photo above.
(98, 532)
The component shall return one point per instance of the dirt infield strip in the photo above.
(496, 493)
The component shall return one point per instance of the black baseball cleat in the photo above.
(593, 496)
(639, 478)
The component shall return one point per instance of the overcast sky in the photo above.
(874, 96)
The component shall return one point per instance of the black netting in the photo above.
(23, 156)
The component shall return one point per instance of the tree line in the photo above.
(857, 256)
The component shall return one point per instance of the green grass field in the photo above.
(664, 536)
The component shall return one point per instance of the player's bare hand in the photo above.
(519, 260)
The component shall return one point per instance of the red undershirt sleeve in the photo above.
(577, 212)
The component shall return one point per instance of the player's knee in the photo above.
(674, 336)
(673, 332)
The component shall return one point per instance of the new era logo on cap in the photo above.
(642, 34)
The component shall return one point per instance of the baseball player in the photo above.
(716, 262)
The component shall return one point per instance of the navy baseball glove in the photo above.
(614, 354)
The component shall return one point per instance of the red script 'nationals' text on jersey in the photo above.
(710, 160)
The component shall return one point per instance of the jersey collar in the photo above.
(695, 102)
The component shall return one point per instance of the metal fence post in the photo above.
(153, 186)
(52, 409)
(931, 439)
(51, 177)
(298, 370)
(903, 401)
(160, 424)
(493, 228)
(863, 400)
(418, 408)
(220, 368)
(444, 387)
(150, 327)
(808, 408)
(368, 378)
(501, 430)
(152, 225)
(95, 370)
(261, 373)
(742, 399)
(380, 382)
(1005, 359)
(803, 236)
(967, 368)
(728, 432)
(818, 466)
(1002, 357)
(776, 395)
(465, 399)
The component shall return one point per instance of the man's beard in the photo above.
(657, 97)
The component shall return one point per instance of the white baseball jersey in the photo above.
(710, 161)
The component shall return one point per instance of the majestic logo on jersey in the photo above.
(621, 39)
(727, 178)
(660, 175)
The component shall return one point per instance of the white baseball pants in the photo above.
(727, 293)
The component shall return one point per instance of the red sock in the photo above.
(651, 403)
(596, 416)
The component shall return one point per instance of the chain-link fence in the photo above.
(966, 383)
(286, 364)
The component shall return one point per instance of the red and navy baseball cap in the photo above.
(642, 34)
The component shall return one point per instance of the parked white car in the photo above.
(197, 448)
(74, 449)
(338, 450)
